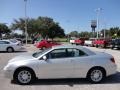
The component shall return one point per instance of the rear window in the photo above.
(13, 40)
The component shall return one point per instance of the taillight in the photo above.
(112, 60)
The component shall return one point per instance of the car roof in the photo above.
(5, 40)
(89, 52)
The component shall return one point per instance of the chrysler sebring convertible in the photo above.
(58, 62)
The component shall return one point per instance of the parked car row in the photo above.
(103, 43)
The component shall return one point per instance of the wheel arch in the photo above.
(98, 67)
(23, 67)
(10, 47)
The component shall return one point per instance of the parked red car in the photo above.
(101, 43)
(46, 44)
(79, 42)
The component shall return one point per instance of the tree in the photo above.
(45, 26)
(114, 31)
(4, 30)
(74, 34)
(55, 31)
(85, 34)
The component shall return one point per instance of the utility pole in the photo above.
(26, 34)
(98, 10)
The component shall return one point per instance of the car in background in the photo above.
(89, 42)
(63, 61)
(77, 41)
(17, 41)
(43, 44)
(72, 40)
(115, 43)
(101, 42)
(80, 41)
(10, 45)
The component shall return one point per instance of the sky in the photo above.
(72, 15)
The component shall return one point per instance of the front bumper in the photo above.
(8, 74)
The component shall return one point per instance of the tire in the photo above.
(43, 48)
(112, 47)
(24, 76)
(10, 49)
(96, 75)
(96, 46)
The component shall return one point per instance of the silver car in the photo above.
(61, 62)
(10, 45)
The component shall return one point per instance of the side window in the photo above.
(4, 42)
(74, 53)
(1, 42)
(57, 53)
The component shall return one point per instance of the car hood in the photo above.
(22, 58)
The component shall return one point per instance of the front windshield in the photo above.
(37, 54)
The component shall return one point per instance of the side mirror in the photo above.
(44, 58)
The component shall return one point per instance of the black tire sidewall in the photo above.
(89, 76)
(11, 49)
(16, 76)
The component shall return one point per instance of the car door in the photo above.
(3, 45)
(82, 62)
(57, 65)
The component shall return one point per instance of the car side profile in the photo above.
(45, 44)
(9, 45)
(61, 62)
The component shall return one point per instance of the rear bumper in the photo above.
(115, 46)
(19, 48)
(111, 70)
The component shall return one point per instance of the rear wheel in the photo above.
(96, 75)
(43, 48)
(96, 46)
(10, 49)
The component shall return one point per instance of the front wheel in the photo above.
(96, 75)
(24, 76)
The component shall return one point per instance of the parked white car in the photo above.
(88, 42)
(61, 62)
(72, 40)
(16, 41)
(10, 46)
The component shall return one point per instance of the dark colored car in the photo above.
(115, 43)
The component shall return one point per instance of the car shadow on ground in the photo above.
(14, 51)
(114, 79)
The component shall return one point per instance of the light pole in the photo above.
(98, 10)
(104, 29)
(26, 34)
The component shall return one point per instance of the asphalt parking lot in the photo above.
(111, 83)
